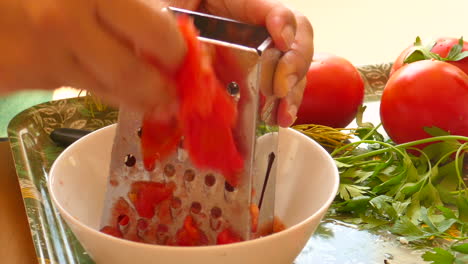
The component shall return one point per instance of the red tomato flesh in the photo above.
(206, 117)
(190, 234)
(148, 195)
(227, 236)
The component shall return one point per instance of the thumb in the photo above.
(185, 4)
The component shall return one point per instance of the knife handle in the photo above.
(67, 136)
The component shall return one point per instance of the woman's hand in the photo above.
(291, 32)
(104, 47)
(90, 44)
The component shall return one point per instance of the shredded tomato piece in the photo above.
(206, 117)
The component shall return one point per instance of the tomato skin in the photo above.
(399, 62)
(333, 93)
(425, 94)
(442, 48)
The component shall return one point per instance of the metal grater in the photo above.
(245, 64)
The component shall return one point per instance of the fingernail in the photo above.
(293, 112)
(291, 82)
(288, 36)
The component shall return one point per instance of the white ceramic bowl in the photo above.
(306, 185)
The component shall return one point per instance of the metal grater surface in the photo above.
(244, 62)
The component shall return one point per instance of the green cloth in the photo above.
(13, 104)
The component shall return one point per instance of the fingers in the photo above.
(149, 29)
(97, 41)
(278, 19)
(291, 32)
(282, 26)
(120, 72)
(289, 105)
(295, 62)
(291, 68)
(268, 63)
(185, 4)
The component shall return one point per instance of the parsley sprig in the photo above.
(416, 193)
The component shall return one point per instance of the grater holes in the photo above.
(189, 175)
(130, 160)
(196, 207)
(210, 180)
(123, 220)
(228, 187)
(216, 212)
(233, 88)
(123, 223)
(169, 170)
(176, 202)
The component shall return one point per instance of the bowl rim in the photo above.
(249, 243)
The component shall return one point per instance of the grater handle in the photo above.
(67, 136)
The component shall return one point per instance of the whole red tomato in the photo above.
(333, 93)
(425, 94)
(442, 48)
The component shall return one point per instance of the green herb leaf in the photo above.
(414, 211)
(348, 191)
(445, 224)
(426, 220)
(400, 207)
(462, 203)
(462, 248)
(343, 165)
(357, 204)
(461, 260)
(362, 175)
(448, 213)
(447, 182)
(372, 221)
(430, 196)
(385, 186)
(439, 256)
(412, 187)
(405, 227)
(435, 131)
(383, 205)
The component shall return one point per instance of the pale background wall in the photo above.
(372, 31)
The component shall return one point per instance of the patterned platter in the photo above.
(34, 153)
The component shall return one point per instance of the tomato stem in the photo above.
(461, 182)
